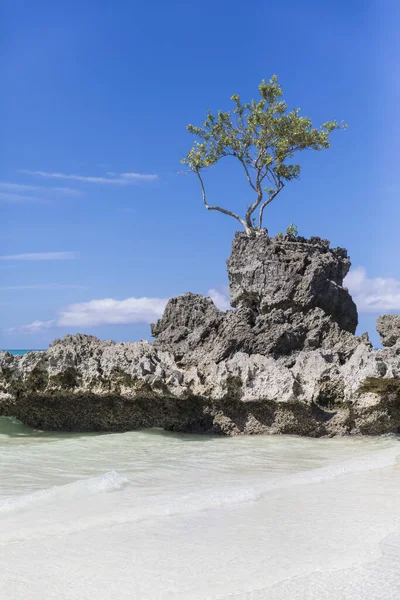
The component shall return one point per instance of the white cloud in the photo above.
(220, 299)
(138, 176)
(123, 179)
(102, 312)
(109, 311)
(19, 187)
(112, 312)
(34, 327)
(41, 256)
(13, 198)
(373, 295)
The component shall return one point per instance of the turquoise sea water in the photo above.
(20, 352)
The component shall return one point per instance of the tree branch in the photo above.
(222, 210)
(255, 204)
(274, 195)
(247, 174)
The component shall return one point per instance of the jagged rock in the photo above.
(83, 384)
(288, 296)
(284, 360)
(189, 323)
(388, 327)
(284, 272)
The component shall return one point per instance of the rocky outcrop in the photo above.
(288, 295)
(388, 327)
(287, 273)
(283, 360)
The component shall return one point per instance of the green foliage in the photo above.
(264, 137)
(292, 230)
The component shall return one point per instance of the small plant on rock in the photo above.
(292, 230)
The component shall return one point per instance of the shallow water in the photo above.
(20, 352)
(151, 515)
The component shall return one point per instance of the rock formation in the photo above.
(288, 294)
(388, 327)
(284, 360)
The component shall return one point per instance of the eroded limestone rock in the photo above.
(288, 295)
(388, 327)
(284, 360)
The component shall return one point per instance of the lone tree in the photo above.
(264, 138)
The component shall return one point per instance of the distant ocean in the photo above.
(22, 352)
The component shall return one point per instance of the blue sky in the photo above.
(96, 97)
